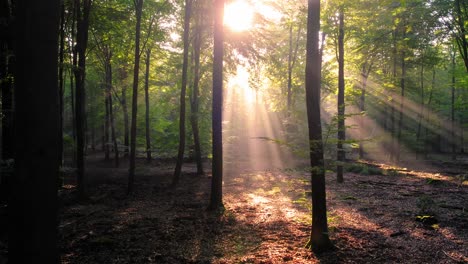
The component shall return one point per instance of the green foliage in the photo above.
(363, 169)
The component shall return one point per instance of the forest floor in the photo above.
(390, 215)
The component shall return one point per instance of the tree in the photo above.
(319, 240)
(194, 98)
(216, 198)
(82, 10)
(136, 69)
(147, 111)
(6, 86)
(186, 41)
(33, 200)
(341, 104)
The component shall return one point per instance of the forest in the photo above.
(234, 131)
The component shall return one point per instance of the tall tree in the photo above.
(195, 95)
(341, 103)
(185, 39)
(6, 83)
(136, 70)
(461, 19)
(319, 240)
(33, 200)
(216, 198)
(82, 10)
(147, 110)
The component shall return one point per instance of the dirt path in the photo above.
(372, 219)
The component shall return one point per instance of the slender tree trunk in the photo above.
(147, 114)
(452, 112)
(82, 9)
(136, 69)
(195, 97)
(392, 103)
(216, 198)
(402, 102)
(426, 137)
(33, 203)
(291, 62)
(341, 156)
(126, 121)
(108, 67)
(365, 71)
(180, 155)
(106, 122)
(61, 79)
(460, 38)
(319, 240)
(6, 85)
(421, 111)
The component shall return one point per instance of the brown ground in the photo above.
(372, 218)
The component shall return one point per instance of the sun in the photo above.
(238, 15)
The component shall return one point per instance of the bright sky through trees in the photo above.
(238, 16)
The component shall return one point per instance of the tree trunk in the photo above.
(426, 136)
(291, 62)
(392, 102)
(402, 102)
(216, 197)
(462, 42)
(421, 111)
(61, 80)
(126, 121)
(319, 240)
(453, 142)
(136, 70)
(147, 114)
(106, 122)
(6, 85)
(180, 155)
(108, 67)
(82, 9)
(33, 203)
(365, 71)
(195, 97)
(341, 104)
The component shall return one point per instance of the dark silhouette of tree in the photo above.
(136, 70)
(180, 155)
(33, 200)
(216, 200)
(147, 106)
(6, 87)
(82, 11)
(341, 155)
(319, 240)
(194, 98)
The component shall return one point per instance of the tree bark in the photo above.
(216, 197)
(82, 9)
(147, 114)
(61, 79)
(402, 101)
(452, 112)
(6, 85)
(340, 156)
(33, 203)
(195, 97)
(108, 68)
(180, 155)
(319, 240)
(136, 70)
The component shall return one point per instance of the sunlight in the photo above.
(238, 16)
(240, 82)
